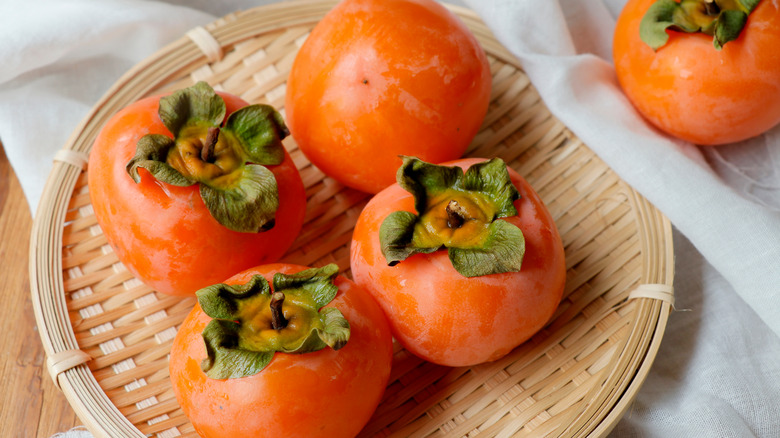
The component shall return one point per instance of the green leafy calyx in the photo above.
(253, 321)
(721, 19)
(457, 211)
(228, 160)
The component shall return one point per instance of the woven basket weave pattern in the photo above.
(574, 378)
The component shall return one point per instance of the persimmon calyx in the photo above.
(721, 19)
(457, 211)
(246, 330)
(227, 162)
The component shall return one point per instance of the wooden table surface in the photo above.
(30, 404)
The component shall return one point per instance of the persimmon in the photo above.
(244, 364)
(467, 266)
(701, 70)
(192, 187)
(379, 78)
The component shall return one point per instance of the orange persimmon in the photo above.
(379, 78)
(227, 389)
(704, 88)
(477, 273)
(148, 185)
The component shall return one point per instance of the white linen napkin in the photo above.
(718, 371)
(76, 432)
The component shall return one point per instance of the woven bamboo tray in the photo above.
(107, 335)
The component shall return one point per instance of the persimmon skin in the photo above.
(322, 394)
(164, 234)
(696, 93)
(380, 78)
(446, 318)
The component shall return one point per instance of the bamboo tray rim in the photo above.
(67, 363)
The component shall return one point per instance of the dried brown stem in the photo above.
(711, 8)
(456, 214)
(207, 153)
(278, 321)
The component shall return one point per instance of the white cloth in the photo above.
(718, 371)
(76, 432)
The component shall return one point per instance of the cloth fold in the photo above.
(718, 370)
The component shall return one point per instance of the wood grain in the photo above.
(30, 404)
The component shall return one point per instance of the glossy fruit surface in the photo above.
(163, 233)
(326, 393)
(380, 78)
(446, 318)
(691, 90)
